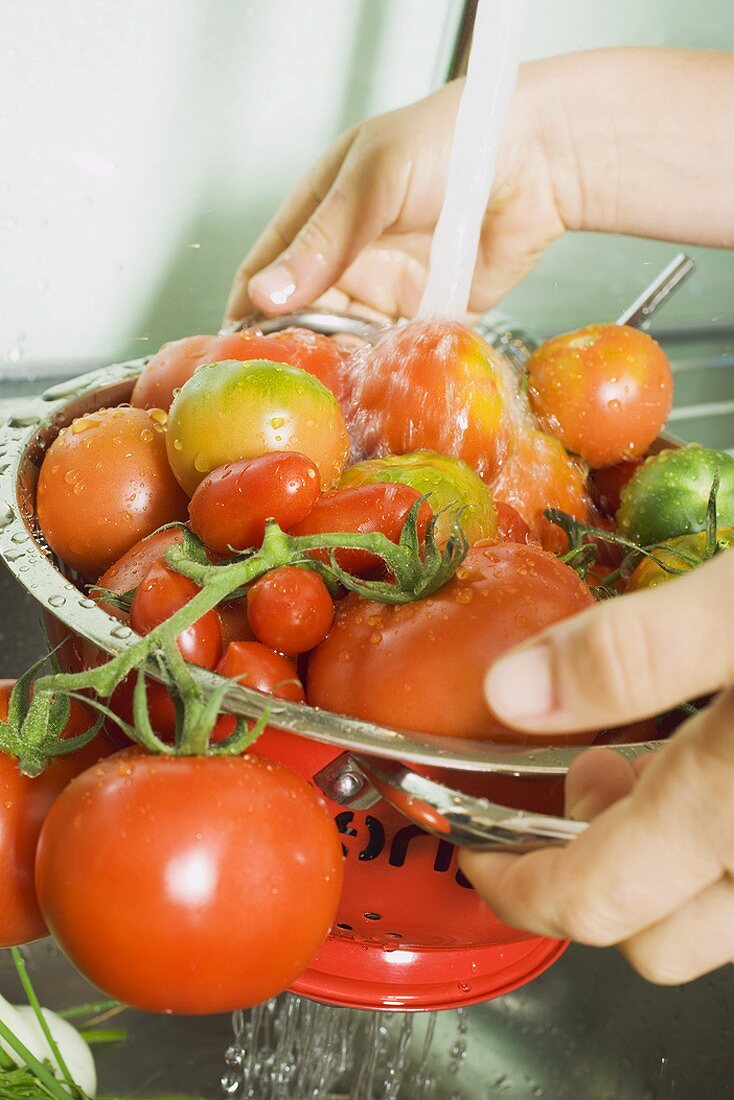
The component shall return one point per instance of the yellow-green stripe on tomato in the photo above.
(232, 410)
(455, 492)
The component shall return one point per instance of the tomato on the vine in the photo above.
(230, 506)
(604, 390)
(189, 884)
(290, 609)
(365, 509)
(680, 555)
(231, 410)
(25, 802)
(105, 483)
(256, 666)
(607, 485)
(160, 595)
(422, 665)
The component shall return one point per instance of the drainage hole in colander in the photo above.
(372, 916)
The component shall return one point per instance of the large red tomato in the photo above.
(434, 385)
(174, 364)
(422, 665)
(24, 803)
(605, 391)
(189, 884)
(105, 483)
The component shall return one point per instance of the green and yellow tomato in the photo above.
(669, 494)
(455, 492)
(683, 553)
(233, 410)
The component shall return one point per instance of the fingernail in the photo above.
(276, 283)
(521, 684)
(583, 808)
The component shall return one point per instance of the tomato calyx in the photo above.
(417, 568)
(584, 539)
(32, 730)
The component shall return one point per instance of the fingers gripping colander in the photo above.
(410, 932)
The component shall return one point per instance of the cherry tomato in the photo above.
(454, 491)
(607, 484)
(365, 509)
(25, 803)
(540, 475)
(422, 665)
(232, 410)
(230, 506)
(262, 669)
(604, 390)
(189, 884)
(234, 622)
(434, 385)
(173, 365)
(105, 483)
(161, 594)
(290, 609)
(511, 526)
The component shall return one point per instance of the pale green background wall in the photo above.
(143, 144)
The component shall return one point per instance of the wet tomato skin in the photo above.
(230, 506)
(511, 526)
(25, 803)
(422, 666)
(105, 483)
(161, 594)
(365, 509)
(290, 609)
(191, 885)
(256, 666)
(604, 390)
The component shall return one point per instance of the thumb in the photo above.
(623, 660)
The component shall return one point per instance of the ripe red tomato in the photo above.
(161, 594)
(512, 527)
(290, 609)
(129, 571)
(434, 385)
(256, 666)
(234, 622)
(189, 884)
(604, 390)
(230, 506)
(231, 410)
(174, 364)
(607, 484)
(105, 483)
(539, 475)
(365, 509)
(422, 665)
(25, 803)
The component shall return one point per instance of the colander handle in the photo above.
(360, 781)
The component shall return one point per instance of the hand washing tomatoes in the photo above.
(190, 884)
(173, 365)
(230, 506)
(422, 665)
(290, 609)
(105, 483)
(234, 410)
(605, 391)
(24, 804)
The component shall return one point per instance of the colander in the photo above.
(410, 932)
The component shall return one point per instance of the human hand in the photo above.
(653, 871)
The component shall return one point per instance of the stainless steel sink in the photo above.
(588, 1029)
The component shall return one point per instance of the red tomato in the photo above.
(25, 803)
(174, 364)
(189, 884)
(365, 509)
(230, 506)
(540, 475)
(434, 385)
(234, 623)
(604, 390)
(129, 571)
(290, 609)
(607, 484)
(105, 483)
(258, 667)
(162, 593)
(512, 527)
(422, 665)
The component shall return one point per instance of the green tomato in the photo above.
(232, 410)
(649, 574)
(447, 482)
(668, 495)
